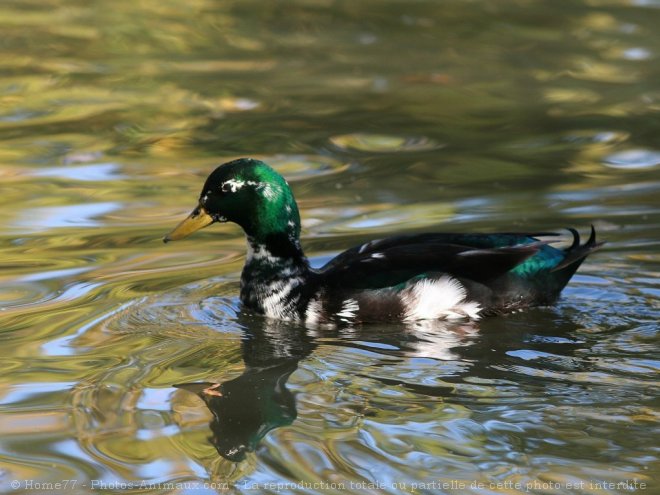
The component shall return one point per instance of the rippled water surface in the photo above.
(128, 363)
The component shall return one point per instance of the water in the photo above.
(385, 117)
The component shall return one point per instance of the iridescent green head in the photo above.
(249, 193)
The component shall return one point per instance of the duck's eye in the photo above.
(226, 187)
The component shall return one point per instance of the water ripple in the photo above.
(382, 143)
(633, 159)
(95, 172)
(128, 361)
(76, 215)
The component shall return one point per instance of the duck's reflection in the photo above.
(246, 408)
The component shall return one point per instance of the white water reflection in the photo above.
(50, 217)
(94, 172)
(633, 159)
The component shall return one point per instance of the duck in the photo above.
(403, 278)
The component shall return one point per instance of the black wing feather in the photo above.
(476, 241)
(391, 261)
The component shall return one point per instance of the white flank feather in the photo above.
(430, 299)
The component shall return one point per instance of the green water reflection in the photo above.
(384, 117)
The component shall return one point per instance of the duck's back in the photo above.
(447, 275)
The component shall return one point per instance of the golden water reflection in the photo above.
(404, 116)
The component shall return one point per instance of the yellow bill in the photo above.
(197, 220)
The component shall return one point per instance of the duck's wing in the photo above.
(394, 260)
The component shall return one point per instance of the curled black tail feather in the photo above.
(576, 253)
(592, 237)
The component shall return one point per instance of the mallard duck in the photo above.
(403, 278)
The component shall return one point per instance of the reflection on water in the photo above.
(632, 159)
(382, 143)
(246, 408)
(125, 361)
(249, 406)
(81, 215)
(95, 172)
